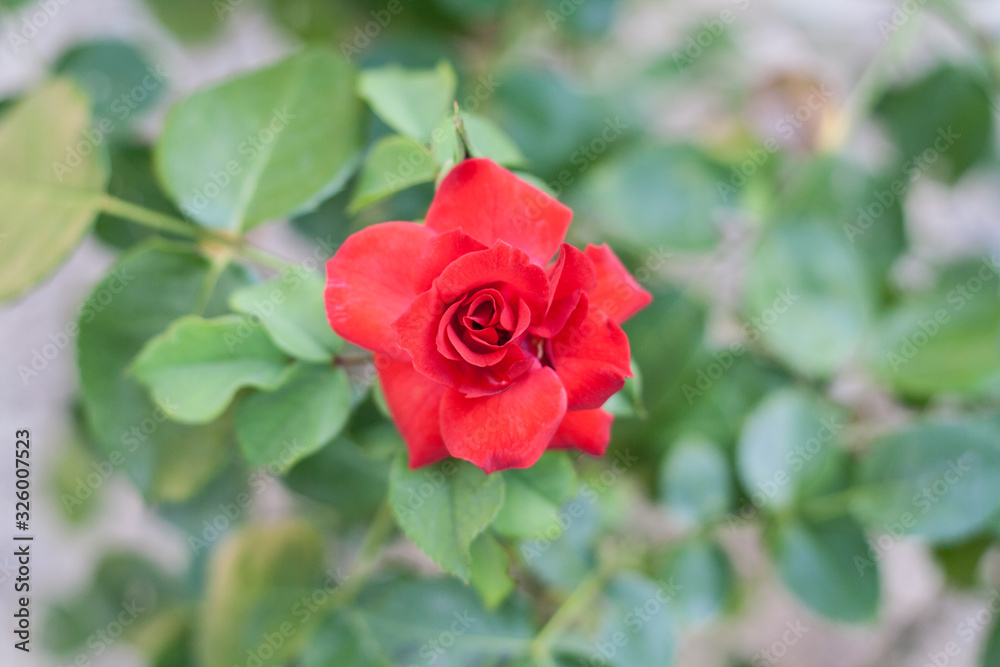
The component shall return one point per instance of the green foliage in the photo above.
(934, 479)
(787, 448)
(51, 188)
(534, 496)
(945, 114)
(262, 581)
(444, 507)
(148, 289)
(409, 101)
(118, 79)
(807, 297)
(395, 163)
(648, 195)
(811, 368)
(826, 565)
(195, 367)
(695, 481)
(272, 143)
(320, 398)
(706, 579)
(286, 309)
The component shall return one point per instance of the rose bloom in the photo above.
(493, 339)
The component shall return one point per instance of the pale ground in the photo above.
(919, 618)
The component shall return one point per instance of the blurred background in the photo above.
(800, 185)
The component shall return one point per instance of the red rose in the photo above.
(485, 349)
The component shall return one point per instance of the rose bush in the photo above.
(487, 348)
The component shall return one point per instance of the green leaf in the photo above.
(561, 556)
(706, 579)
(947, 112)
(345, 475)
(490, 574)
(124, 584)
(269, 144)
(935, 479)
(132, 180)
(789, 443)
(290, 309)
(695, 483)
(295, 420)
(960, 562)
(147, 289)
(117, 77)
(443, 508)
(409, 101)
(191, 20)
(826, 565)
(258, 582)
(395, 163)
(808, 297)
(51, 182)
(424, 621)
(944, 341)
(650, 195)
(533, 496)
(486, 139)
(195, 367)
(342, 639)
(631, 638)
(559, 127)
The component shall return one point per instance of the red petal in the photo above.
(439, 252)
(490, 203)
(502, 264)
(418, 330)
(617, 293)
(368, 287)
(415, 404)
(589, 430)
(591, 356)
(572, 274)
(506, 430)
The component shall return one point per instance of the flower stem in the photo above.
(168, 223)
(572, 608)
